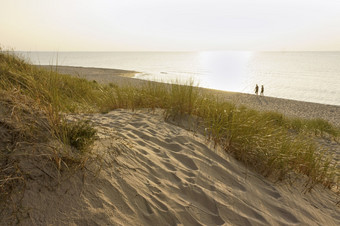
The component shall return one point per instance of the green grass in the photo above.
(79, 134)
(268, 142)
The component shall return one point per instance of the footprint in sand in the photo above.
(159, 204)
(169, 166)
(187, 173)
(143, 205)
(185, 160)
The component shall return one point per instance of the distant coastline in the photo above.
(303, 76)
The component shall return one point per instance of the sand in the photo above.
(152, 172)
(101, 75)
(291, 108)
(156, 173)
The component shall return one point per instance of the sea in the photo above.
(304, 76)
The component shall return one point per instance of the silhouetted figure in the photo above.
(262, 90)
(256, 89)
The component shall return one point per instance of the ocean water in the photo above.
(305, 76)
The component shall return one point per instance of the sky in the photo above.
(170, 25)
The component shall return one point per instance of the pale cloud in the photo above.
(170, 25)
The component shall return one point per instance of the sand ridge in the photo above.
(156, 173)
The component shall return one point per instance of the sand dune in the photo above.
(152, 172)
(156, 173)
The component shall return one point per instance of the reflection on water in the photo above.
(308, 76)
(225, 70)
(216, 70)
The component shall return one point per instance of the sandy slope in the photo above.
(156, 173)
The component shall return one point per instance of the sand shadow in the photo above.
(261, 100)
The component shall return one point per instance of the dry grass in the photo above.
(31, 126)
(36, 100)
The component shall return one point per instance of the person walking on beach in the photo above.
(262, 90)
(256, 89)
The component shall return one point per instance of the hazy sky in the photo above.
(170, 25)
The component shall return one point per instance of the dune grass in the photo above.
(31, 105)
(268, 142)
(317, 127)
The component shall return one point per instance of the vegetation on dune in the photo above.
(34, 100)
(268, 142)
(31, 123)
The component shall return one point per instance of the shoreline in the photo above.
(288, 107)
(88, 72)
(141, 169)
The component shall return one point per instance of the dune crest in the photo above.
(156, 173)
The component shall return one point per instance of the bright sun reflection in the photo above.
(225, 70)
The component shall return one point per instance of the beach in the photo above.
(145, 170)
(290, 108)
(170, 113)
